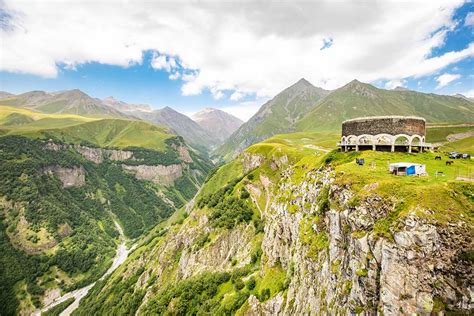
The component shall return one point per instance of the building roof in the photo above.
(369, 118)
(404, 164)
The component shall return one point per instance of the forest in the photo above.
(79, 220)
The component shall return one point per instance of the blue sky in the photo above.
(237, 62)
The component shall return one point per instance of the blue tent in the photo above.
(411, 170)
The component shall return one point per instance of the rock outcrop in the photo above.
(159, 174)
(338, 253)
(70, 177)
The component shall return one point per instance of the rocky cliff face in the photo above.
(70, 177)
(158, 174)
(335, 253)
(361, 270)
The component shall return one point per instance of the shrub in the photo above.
(251, 283)
(264, 295)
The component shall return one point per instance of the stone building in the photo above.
(385, 133)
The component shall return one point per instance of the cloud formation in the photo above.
(243, 47)
(445, 79)
(469, 20)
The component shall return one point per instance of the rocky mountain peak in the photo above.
(217, 123)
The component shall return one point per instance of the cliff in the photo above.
(288, 229)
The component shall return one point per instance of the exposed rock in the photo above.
(50, 295)
(217, 256)
(251, 161)
(159, 174)
(97, 155)
(70, 177)
(184, 154)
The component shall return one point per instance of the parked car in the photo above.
(454, 155)
(466, 156)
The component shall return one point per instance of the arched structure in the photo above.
(384, 132)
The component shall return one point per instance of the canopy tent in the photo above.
(407, 168)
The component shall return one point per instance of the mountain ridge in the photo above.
(217, 123)
(286, 107)
(72, 101)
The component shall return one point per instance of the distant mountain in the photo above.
(63, 102)
(357, 99)
(400, 89)
(180, 124)
(462, 96)
(219, 124)
(125, 107)
(4, 94)
(278, 115)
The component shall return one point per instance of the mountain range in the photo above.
(288, 227)
(303, 107)
(62, 102)
(210, 129)
(300, 107)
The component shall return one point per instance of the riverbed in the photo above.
(79, 294)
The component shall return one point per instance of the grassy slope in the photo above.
(115, 133)
(305, 152)
(465, 145)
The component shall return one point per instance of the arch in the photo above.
(343, 140)
(351, 140)
(405, 139)
(365, 139)
(384, 139)
(416, 137)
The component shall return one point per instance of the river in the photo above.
(120, 256)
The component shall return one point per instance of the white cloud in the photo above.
(469, 20)
(392, 84)
(468, 93)
(217, 94)
(445, 79)
(244, 110)
(254, 47)
(237, 95)
(164, 62)
(174, 76)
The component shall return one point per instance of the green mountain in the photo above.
(62, 102)
(279, 115)
(358, 99)
(290, 227)
(67, 191)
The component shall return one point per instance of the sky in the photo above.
(233, 55)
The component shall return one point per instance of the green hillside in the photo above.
(278, 115)
(290, 216)
(75, 129)
(58, 205)
(108, 133)
(358, 99)
(62, 102)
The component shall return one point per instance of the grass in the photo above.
(465, 145)
(438, 193)
(439, 133)
(272, 279)
(112, 133)
(222, 176)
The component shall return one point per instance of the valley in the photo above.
(131, 210)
